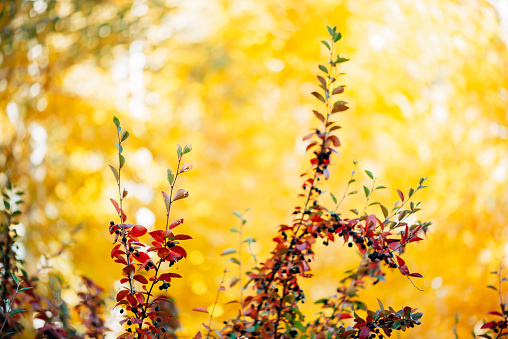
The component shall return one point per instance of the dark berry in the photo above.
(111, 223)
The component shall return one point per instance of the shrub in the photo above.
(272, 310)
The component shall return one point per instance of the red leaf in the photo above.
(116, 205)
(201, 309)
(138, 231)
(175, 223)
(416, 275)
(400, 261)
(401, 195)
(142, 257)
(338, 90)
(157, 236)
(319, 96)
(319, 116)
(141, 331)
(167, 200)
(141, 279)
(140, 298)
(114, 250)
(345, 315)
(132, 300)
(180, 194)
(121, 295)
(182, 237)
(496, 313)
(179, 250)
(341, 107)
(322, 80)
(198, 336)
(168, 276)
(162, 253)
(491, 324)
(364, 333)
(128, 270)
(308, 136)
(404, 270)
(335, 140)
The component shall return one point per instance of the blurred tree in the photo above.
(428, 87)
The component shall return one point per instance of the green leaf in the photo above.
(187, 149)
(355, 211)
(228, 251)
(122, 160)
(323, 68)
(351, 181)
(234, 230)
(16, 312)
(6, 334)
(115, 172)
(179, 151)
(234, 260)
(352, 192)
(299, 326)
(119, 148)
(171, 176)
(330, 30)
(337, 36)
(384, 210)
(326, 44)
(369, 173)
(381, 307)
(411, 192)
(124, 135)
(380, 187)
(492, 287)
(367, 191)
(116, 121)
(25, 288)
(15, 278)
(250, 240)
(333, 198)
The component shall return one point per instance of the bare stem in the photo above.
(215, 303)
(8, 314)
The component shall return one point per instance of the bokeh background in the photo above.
(428, 88)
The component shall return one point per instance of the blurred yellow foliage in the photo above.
(428, 88)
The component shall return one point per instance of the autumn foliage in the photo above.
(269, 304)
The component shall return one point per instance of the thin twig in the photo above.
(215, 303)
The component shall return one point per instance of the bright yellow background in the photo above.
(428, 88)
